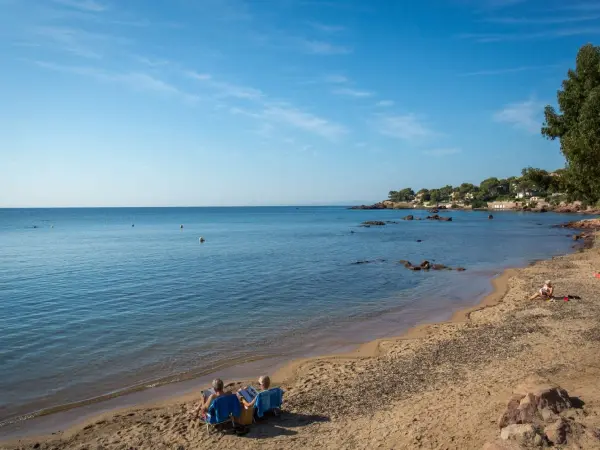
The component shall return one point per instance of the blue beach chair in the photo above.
(268, 401)
(222, 410)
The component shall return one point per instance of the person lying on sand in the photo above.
(264, 383)
(545, 292)
(217, 385)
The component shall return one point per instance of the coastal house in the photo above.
(502, 205)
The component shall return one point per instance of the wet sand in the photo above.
(441, 385)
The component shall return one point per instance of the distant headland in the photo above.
(535, 190)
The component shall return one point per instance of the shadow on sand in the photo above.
(282, 425)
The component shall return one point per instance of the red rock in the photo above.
(557, 432)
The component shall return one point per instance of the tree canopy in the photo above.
(577, 125)
(404, 195)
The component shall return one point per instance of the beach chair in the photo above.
(222, 410)
(268, 401)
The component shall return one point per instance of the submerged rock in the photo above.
(440, 218)
(409, 217)
(378, 223)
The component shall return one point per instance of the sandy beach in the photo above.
(439, 386)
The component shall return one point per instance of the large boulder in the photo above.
(535, 401)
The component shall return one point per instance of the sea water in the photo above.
(98, 301)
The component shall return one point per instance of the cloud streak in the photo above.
(348, 92)
(439, 152)
(384, 103)
(304, 121)
(541, 35)
(325, 28)
(408, 127)
(507, 70)
(541, 20)
(524, 116)
(83, 5)
(138, 81)
(225, 89)
(314, 47)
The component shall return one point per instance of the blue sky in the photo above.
(267, 102)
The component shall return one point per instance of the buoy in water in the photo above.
(132, 225)
(201, 240)
(181, 227)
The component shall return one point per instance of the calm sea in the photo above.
(94, 301)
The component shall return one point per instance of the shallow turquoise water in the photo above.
(90, 304)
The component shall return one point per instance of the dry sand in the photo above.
(441, 386)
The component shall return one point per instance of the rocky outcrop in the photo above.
(557, 432)
(379, 205)
(586, 224)
(524, 434)
(541, 413)
(440, 218)
(426, 265)
(377, 223)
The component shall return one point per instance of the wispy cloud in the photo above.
(584, 7)
(305, 121)
(268, 111)
(348, 92)
(541, 20)
(540, 35)
(78, 42)
(523, 115)
(225, 89)
(83, 5)
(151, 62)
(408, 127)
(336, 79)
(443, 151)
(507, 70)
(384, 103)
(323, 48)
(138, 81)
(326, 28)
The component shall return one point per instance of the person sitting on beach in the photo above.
(202, 408)
(545, 292)
(264, 382)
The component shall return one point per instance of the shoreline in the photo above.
(290, 372)
(284, 373)
(148, 395)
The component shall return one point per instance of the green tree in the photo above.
(404, 195)
(540, 178)
(424, 195)
(577, 126)
(489, 188)
(435, 196)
